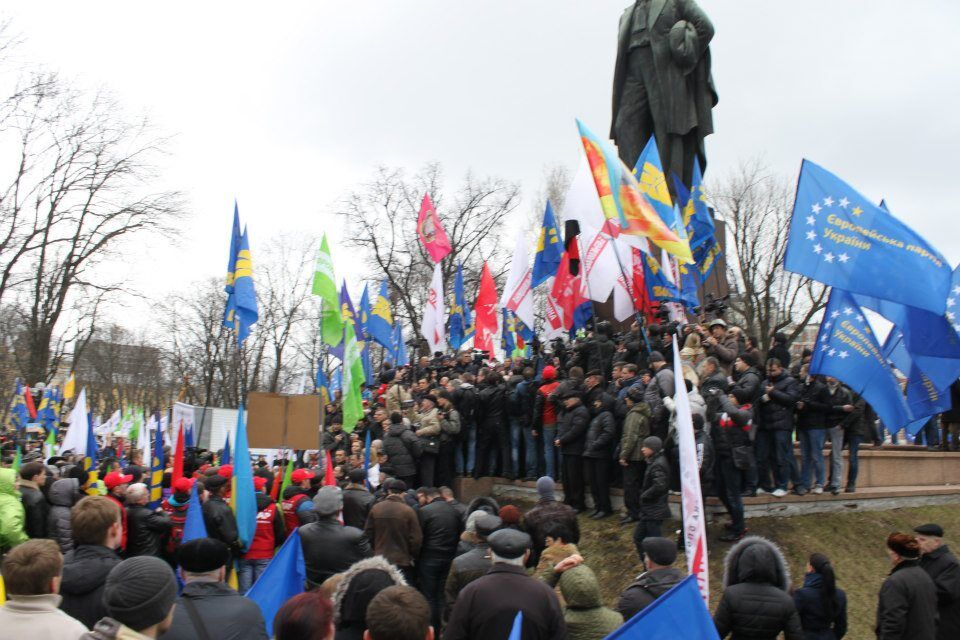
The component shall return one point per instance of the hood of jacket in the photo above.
(606, 404)
(263, 501)
(580, 588)
(757, 560)
(291, 491)
(8, 478)
(396, 429)
(640, 407)
(64, 492)
(86, 568)
(486, 503)
(360, 583)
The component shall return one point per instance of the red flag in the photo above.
(431, 231)
(177, 472)
(641, 298)
(566, 293)
(329, 479)
(28, 399)
(485, 312)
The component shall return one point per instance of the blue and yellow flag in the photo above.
(701, 232)
(364, 310)
(659, 286)
(549, 249)
(399, 346)
(225, 454)
(460, 319)
(246, 311)
(839, 238)
(364, 337)
(243, 497)
(508, 340)
(18, 413)
(229, 320)
(157, 466)
(653, 184)
(379, 325)
(323, 387)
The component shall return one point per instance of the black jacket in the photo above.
(942, 567)
(482, 611)
(225, 613)
(356, 506)
(64, 493)
(572, 426)
(36, 509)
(221, 523)
(465, 569)
(654, 490)
(145, 530)
(491, 408)
(465, 400)
(731, 429)
(748, 383)
(907, 605)
(645, 589)
(597, 353)
(755, 603)
(541, 516)
(403, 449)
(816, 402)
(602, 433)
(441, 527)
(814, 618)
(776, 413)
(329, 548)
(85, 572)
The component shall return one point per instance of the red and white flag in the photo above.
(565, 296)
(431, 231)
(694, 518)
(517, 294)
(485, 312)
(433, 327)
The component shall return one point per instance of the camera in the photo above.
(715, 306)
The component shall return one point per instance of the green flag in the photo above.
(49, 445)
(353, 378)
(325, 286)
(16, 461)
(287, 478)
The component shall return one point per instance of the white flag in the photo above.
(694, 519)
(598, 263)
(76, 438)
(517, 295)
(434, 319)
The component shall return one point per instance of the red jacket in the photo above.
(549, 415)
(269, 533)
(123, 517)
(291, 519)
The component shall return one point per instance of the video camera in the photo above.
(715, 306)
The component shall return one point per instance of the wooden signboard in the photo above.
(275, 421)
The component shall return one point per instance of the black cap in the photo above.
(742, 395)
(509, 543)
(202, 555)
(487, 524)
(357, 476)
(214, 482)
(432, 398)
(595, 372)
(636, 393)
(931, 529)
(139, 592)
(660, 550)
(395, 485)
(656, 356)
(653, 443)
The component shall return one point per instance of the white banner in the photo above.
(182, 415)
(694, 518)
(434, 318)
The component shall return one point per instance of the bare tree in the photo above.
(381, 221)
(756, 206)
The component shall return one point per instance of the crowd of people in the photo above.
(389, 551)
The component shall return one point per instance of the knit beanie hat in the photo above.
(546, 487)
(653, 443)
(140, 592)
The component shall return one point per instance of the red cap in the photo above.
(183, 485)
(259, 483)
(300, 475)
(226, 471)
(549, 372)
(115, 479)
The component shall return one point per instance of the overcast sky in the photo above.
(287, 106)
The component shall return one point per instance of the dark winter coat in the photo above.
(814, 618)
(597, 353)
(465, 569)
(602, 433)
(440, 526)
(816, 401)
(394, 530)
(654, 490)
(731, 431)
(907, 605)
(572, 430)
(357, 502)
(491, 408)
(36, 509)
(221, 523)
(645, 589)
(329, 548)
(748, 383)
(943, 568)
(755, 603)
(225, 613)
(636, 428)
(403, 449)
(64, 493)
(541, 516)
(85, 572)
(662, 385)
(776, 413)
(145, 530)
(482, 611)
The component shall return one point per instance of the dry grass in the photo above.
(853, 541)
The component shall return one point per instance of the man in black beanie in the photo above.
(659, 576)
(208, 607)
(139, 597)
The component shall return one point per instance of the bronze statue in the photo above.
(662, 84)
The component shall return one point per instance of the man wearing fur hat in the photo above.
(907, 604)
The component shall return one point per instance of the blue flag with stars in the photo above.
(924, 398)
(847, 349)
(839, 238)
(549, 249)
(379, 323)
(460, 319)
